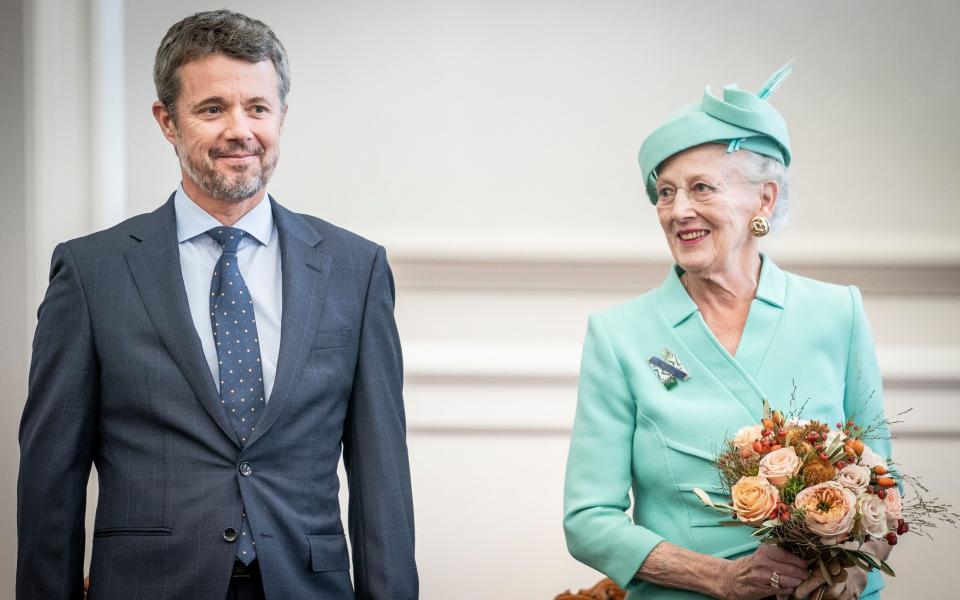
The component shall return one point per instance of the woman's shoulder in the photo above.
(636, 311)
(808, 293)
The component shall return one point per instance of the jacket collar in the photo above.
(678, 305)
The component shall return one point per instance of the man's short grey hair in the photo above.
(216, 32)
(757, 168)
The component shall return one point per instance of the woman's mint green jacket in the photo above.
(802, 338)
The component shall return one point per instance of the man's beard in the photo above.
(239, 185)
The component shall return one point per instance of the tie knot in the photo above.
(228, 237)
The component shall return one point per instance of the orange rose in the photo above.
(754, 499)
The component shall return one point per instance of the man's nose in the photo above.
(238, 126)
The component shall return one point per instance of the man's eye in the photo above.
(665, 193)
(703, 188)
(212, 110)
(259, 109)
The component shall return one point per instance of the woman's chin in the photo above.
(693, 260)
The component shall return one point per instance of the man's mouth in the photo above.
(235, 154)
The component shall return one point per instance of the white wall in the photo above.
(491, 147)
(13, 268)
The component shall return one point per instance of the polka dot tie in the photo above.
(238, 353)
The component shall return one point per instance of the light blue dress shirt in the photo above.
(259, 259)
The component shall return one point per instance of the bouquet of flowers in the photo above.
(812, 488)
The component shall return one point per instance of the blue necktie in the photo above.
(238, 352)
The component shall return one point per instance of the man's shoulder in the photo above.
(335, 237)
(117, 239)
(330, 231)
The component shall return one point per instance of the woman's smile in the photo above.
(689, 237)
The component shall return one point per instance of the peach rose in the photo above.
(780, 465)
(894, 505)
(744, 439)
(873, 515)
(829, 510)
(754, 499)
(855, 478)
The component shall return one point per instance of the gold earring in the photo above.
(759, 226)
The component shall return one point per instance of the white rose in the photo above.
(871, 459)
(894, 505)
(780, 465)
(855, 478)
(873, 515)
(745, 438)
(832, 436)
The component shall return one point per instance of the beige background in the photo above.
(491, 147)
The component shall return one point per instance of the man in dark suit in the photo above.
(212, 358)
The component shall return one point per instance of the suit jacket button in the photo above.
(230, 534)
(246, 469)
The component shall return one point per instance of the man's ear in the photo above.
(283, 115)
(166, 121)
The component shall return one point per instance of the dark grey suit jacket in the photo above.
(119, 380)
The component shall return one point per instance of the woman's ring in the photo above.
(775, 580)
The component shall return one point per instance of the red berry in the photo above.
(824, 457)
(892, 538)
(839, 425)
(902, 529)
(906, 527)
(856, 428)
(881, 494)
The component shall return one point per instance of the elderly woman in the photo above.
(743, 330)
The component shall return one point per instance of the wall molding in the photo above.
(609, 274)
(597, 260)
(537, 363)
(516, 387)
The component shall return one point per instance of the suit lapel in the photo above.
(305, 274)
(155, 264)
(765, 312)
(688, 324)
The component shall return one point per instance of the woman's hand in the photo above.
(754, 576)
(848, 589)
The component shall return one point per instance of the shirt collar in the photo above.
(193, 220)
(678, 306)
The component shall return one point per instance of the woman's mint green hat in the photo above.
(743, 118)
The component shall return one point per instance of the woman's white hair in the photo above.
(758, 169)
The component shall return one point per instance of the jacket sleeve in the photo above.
(598, 531)
(375, 453)
(57, 435)
(863, 392)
